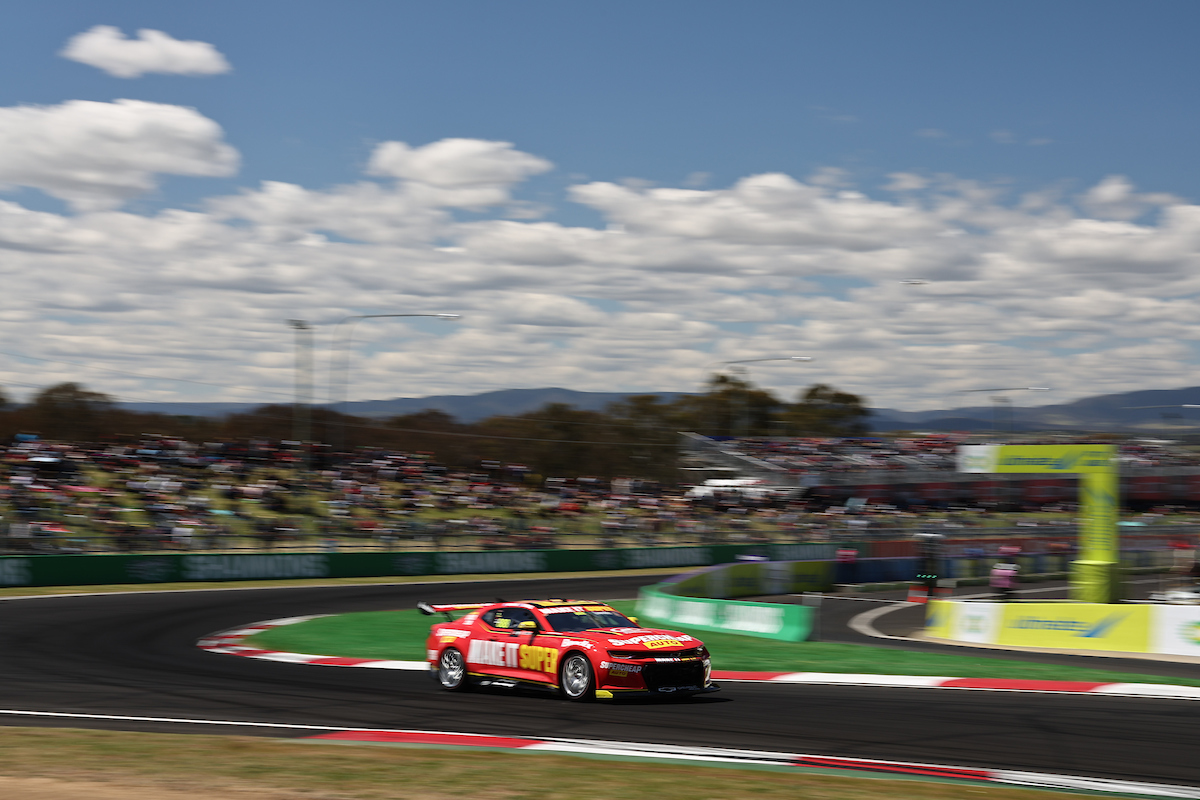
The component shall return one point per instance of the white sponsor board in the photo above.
(232, 568)
(802, 552)
(657, 606)
(692, 612)
(975, 622)
(756, 619)
(15, 572)
(1176, 630)
(978, 458)
(466, 563)
(668, 557)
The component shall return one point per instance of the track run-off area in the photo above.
(129, 661)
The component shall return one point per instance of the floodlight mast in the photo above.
(339, 401)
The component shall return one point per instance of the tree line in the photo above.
(636, 437)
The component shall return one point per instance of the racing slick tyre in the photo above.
(576, 678)
(452, 670)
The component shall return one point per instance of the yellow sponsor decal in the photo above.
(1077, 626)
(655, 644)
(538, 659)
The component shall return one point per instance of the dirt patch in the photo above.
(64, 789)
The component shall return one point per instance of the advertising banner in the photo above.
(1176, 630)
(91, 570)
(1066, 459)
(1132, 627)
(939, 615)
(978, 623)
(765, 620)
(1076, 626)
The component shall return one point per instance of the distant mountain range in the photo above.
(464, 408)
(1149, 411)
(1111, 412)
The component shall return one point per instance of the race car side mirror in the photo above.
(633, 620)
(527, 625)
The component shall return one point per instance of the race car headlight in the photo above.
(629, 654)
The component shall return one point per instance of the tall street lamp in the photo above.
(346, 327)
(302, 407)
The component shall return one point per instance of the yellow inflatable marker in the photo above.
(1095, 576)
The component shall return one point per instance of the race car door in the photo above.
(496, 647)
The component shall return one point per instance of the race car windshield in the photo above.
(588, 620)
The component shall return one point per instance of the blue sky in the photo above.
(1017, 109)
(663, 90)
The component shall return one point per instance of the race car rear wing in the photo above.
(429, 609)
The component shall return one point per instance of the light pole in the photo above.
(746, 400)
(302, 409)
(348, 323)
(999, 400)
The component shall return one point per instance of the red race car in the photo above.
(580, 648)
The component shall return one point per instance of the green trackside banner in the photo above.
(84, 570)
(1095, 577)
(765, 620)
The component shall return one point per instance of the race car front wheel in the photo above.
(452, 670)
(576, 678)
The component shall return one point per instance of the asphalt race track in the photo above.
(135, 655)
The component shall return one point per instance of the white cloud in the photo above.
(456, 163)
(906, 182)
(762, 209)
(1114, 198)
(105, 47)
(670, 281)
(97, 155)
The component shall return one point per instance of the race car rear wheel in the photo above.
(576, 678)
(452, 670)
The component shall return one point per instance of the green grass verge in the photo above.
(51, 764)
(400, 635)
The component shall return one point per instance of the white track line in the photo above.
(697, 754)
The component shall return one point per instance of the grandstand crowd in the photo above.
(163, 493)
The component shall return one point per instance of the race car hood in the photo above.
(642, 639)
